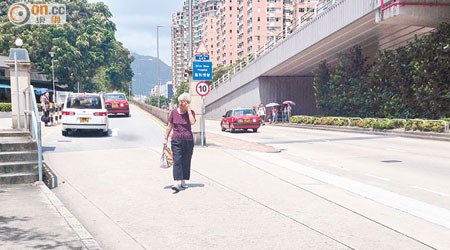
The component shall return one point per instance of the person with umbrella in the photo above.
(273, 111)
(288, 109)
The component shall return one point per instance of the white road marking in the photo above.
(316, 161)
(378, 177)
(396, 150)
(115, 131)
(339, 167)
(431, 191)
(428, 212)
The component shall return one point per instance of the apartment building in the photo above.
(234, 29)
(227, 32)
(178, 45)
(204, 29)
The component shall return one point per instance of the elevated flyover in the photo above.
(286, 71)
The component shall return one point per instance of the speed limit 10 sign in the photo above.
(202, 88)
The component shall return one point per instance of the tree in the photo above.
(84, 46)
(183, 88)
(153, 100)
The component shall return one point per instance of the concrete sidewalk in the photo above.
(31, 217)
(5, 122)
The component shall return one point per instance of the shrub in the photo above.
(5, 107)
(428, 126)
(388, 124)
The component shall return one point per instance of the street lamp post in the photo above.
(157, 65)
(52, 54)
(19, 44)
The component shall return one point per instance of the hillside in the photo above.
(147, 66)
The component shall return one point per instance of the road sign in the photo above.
(202, 88)
(201, 49)
(202, 57)
(202, 71)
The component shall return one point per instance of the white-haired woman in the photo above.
(180, 120)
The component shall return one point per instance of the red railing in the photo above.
(396, 3)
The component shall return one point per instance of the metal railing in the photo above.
(277, 38)
(34, 125)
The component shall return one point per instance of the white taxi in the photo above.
(85, 112)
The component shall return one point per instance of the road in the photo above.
(324, 190)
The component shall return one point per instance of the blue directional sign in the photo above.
(202, 71)
(202, 57)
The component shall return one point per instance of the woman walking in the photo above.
(45, 105)
(180, 120)
(262, 113)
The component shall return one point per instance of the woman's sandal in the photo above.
(176, 189)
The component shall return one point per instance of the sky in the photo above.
(136, 22)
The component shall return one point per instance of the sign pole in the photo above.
(202, 125)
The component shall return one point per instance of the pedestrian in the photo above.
(288, 112)
(180, 120)
(262, 113)
(45, 106)
(274, 114)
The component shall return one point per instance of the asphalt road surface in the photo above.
(324, 190)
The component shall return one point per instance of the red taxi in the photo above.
(116, 103)
(241, 118)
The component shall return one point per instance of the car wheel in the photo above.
(65, 133)
(221, 127)
(104, 133)
(255, 130)
(245, 130)
(127, 114)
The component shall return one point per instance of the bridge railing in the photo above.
(276, 39)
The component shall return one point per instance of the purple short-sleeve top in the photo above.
(181, 126)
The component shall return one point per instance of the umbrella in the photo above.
(272, 104)
(40, 91)
(289, 102)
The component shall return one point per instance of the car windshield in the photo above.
(110, 97)
(244, 112)
(84, 102)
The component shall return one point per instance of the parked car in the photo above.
(242, 118)
(116, 103)
(85, 112)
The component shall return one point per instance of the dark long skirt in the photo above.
(182, 155)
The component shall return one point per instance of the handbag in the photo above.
(45, 119)
(166, 158)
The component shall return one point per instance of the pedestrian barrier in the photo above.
(161, 114)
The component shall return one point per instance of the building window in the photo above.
(259, 19)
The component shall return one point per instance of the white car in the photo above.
(85, 112)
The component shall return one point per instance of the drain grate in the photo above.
(391, 161)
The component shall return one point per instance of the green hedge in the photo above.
(5, 107)
(408, 125)
(408, 82)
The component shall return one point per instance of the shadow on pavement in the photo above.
(190, 185)
(48, 149)
(89, 134)
(30, 238)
